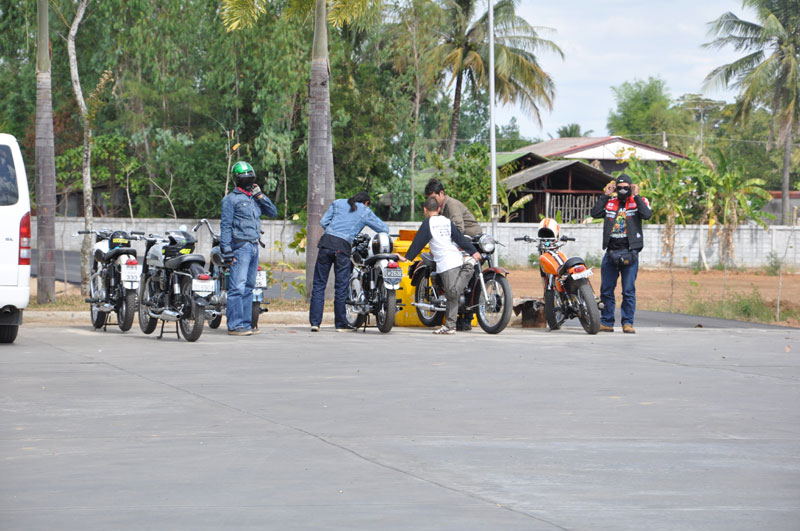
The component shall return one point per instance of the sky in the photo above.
(609, 42)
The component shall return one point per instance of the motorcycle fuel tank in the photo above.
(551, 261)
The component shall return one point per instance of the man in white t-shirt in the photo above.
(453, 267)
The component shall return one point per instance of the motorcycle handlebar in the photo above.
(137, 232)
(523, 239)
(567, 239)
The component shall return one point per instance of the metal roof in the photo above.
(561, 147)
(537, 172)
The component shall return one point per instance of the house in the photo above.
(608, 153)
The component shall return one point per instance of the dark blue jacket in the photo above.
(241, 219)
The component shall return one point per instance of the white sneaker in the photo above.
(445, 330)
(315, 328)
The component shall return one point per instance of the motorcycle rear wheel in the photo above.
(426, 294)
(146, 294)
(256, 313)
(126, 310)
(588, 312)
(553, 312)
(385, 315)
(192, 324)
(493, 315)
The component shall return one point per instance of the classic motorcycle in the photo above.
(488, 293)
(220, 272)
(174, 285)
(568, 291)
(373, 283)
(115, 277)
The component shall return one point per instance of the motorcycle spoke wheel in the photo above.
(126, 310)
(193, 317)
(388, 307)
(494, 311)
(553, 310)
(351, 313)
(588, 312)
(147, 293)
(96, 291)
(425, 293)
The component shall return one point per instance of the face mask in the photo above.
(623, 194)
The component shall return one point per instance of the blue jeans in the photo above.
(341, 270)
(610, 272)
(239, 308)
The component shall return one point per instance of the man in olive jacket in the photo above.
(623, 213)
(453, 209)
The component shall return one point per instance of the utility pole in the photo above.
(495, 208)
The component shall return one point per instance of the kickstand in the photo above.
(364, 330)
(177, 330)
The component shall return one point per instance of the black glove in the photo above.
(255, 191)
(227, 257)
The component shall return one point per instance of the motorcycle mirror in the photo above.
(182, 228)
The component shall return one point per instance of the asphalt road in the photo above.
(671, 428)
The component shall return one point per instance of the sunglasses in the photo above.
(623, 187)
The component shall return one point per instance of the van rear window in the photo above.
(9, 192)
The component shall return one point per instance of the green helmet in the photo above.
(244, 175)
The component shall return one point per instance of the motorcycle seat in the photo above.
(372, 259)
(176, 261)
(113, 254)
(569, 264)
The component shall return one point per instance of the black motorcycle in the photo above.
(115, 277)
(488, 293)
(174, 285)
(372, 289)
(220, 271)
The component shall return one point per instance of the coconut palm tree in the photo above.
(768, 74)
(237, 14)
(45, 163)
(464, 53)
(572, 131)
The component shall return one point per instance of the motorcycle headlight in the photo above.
(486, 243)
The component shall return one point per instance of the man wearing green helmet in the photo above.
(240, 231)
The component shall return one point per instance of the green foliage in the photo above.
(739, 306)
(774, 264)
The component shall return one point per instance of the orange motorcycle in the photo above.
(568, 292)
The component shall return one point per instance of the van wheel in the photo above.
(8, 333)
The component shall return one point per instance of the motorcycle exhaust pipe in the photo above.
(427, 306)
(167, 315)
(105, 307)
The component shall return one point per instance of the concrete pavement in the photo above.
(671, 428)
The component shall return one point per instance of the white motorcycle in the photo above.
(373, 282)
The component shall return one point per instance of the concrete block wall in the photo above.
(752, 244)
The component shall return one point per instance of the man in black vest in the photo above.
(622, 239)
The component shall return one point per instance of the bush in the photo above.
(774, 263)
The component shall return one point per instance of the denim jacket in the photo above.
(340, 222)
(241, 219)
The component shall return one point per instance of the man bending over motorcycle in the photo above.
(453, 267)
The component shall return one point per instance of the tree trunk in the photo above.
(320, 143)
(45, 164)
(787, 163)
(456, 111)
(88, 213)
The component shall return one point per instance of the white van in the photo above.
(15, 239)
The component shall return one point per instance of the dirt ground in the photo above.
(653, 287)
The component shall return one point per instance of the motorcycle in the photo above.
(174, 285)
(488, 293)
(568, 291)
(372, 288)
(220, 272)
(115, 277)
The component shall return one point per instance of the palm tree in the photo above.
(464, 52)
(768, 74)
(572, 131)
(45, 163)
(237, 14)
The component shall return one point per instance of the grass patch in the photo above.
(739, 306)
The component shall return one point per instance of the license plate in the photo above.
(393, 275)
(202, 286)
(261, 279)
(582, 274)
(131, 273)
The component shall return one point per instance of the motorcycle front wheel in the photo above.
(385, 315)
(126, 310)
(354, 294)
(96, 291)
(553, 310)
(588, 312)
(193, 316)
(494, 312)
(147, 293)
(425, 293)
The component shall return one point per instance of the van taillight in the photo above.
(25, 240)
